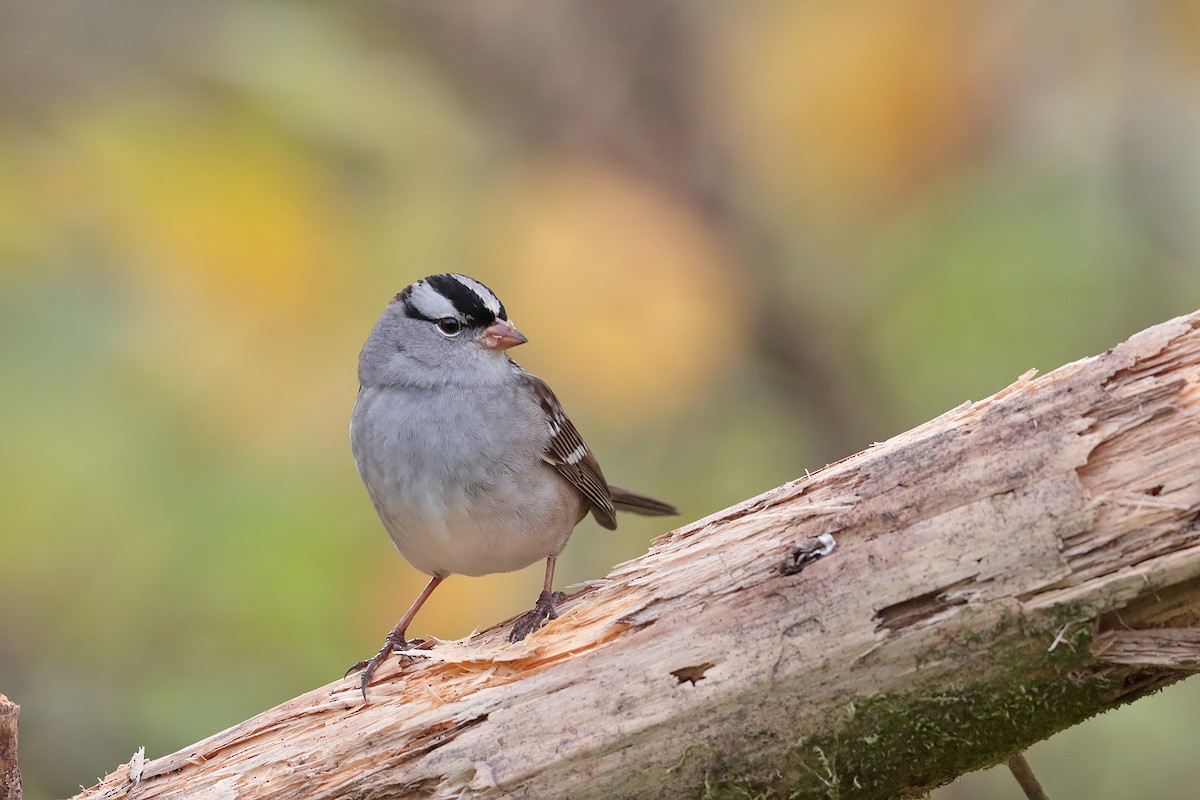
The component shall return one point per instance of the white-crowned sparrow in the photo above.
(469, 460)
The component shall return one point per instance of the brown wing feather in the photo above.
(569, 454)
(625, 500)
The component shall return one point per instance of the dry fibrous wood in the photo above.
(1001, 572)
(10, 771)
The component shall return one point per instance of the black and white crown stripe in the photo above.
(452, 295)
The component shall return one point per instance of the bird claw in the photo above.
(355, 667)
(368, 666)
(542, 611)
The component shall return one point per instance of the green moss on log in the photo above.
(939, 733)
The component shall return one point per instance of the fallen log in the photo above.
(1000, 573)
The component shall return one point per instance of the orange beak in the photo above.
(501, 335)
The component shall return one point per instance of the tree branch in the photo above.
(1023, 773)
(10, 771)
(1001, 572)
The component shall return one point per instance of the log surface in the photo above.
(1001, 572)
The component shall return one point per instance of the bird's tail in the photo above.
(625, 500)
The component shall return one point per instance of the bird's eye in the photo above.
(449, 326)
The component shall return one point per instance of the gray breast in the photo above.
(431, 447)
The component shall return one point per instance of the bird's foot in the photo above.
(530, 621)
(394, 643)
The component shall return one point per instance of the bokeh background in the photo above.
(745, 239)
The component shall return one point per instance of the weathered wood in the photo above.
(10, 770)
(979, 558)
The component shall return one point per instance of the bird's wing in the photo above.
(569, 454)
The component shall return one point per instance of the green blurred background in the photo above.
(745, 239)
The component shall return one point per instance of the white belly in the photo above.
(478, 538)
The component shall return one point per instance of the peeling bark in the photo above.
(1001, 572)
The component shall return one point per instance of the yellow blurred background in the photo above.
(745, 239)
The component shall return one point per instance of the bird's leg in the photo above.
(395, 641)
(543, 609)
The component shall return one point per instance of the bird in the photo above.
(470, 461)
